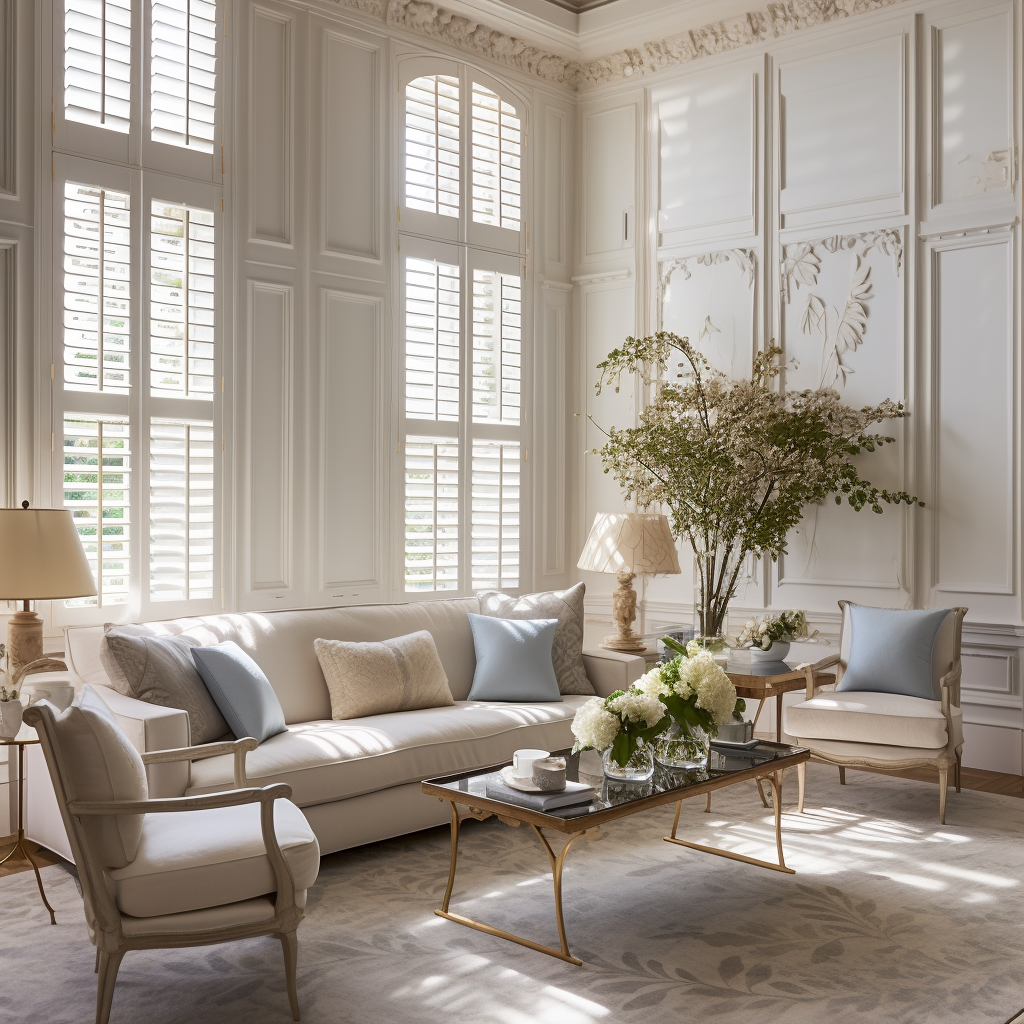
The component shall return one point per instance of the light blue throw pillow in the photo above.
(891, 651)
(513, 659)
(241, 690)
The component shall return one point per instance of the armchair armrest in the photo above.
(809, 671)
(237, 747)
(949, 684)
(609, 671)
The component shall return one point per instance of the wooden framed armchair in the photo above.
(179, 871)
(889, 731)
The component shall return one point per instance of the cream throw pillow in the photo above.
(376, 678)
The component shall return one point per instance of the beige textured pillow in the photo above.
(564, 605)
(376, 678)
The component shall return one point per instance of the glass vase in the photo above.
(682, 747)
(639, 768)
(716, 571)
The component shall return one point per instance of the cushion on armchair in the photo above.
(899, 651)
(101, 764)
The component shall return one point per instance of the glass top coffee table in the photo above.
(612, 800)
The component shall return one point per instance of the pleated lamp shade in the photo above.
(636, 542)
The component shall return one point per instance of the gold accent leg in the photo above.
(778, 718)
(19, 843)
(942, 795)
(39, 882)
(675, 820)
(776, 784)
(557, 867)
(760, 793)
(707, 806)
(801, 784)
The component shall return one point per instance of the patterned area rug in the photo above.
(891, 917)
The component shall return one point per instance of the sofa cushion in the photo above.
(160, 670)
(564, 605)
(892, 650)
(513, 659)
(102, 764)
(374, 678)
(326, 760)
(188, 860)
(241, 691)
(866, 717)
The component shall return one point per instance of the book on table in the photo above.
(574, 793)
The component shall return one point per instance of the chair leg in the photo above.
(842, 775)
(942, 796)
(959, 765)
(96, 967)
(290, 945)
(107, 971)
(801, 786)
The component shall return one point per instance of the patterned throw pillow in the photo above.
(564, 605)
(378, 677)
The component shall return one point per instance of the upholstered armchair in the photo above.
(179, 871)
(895, 703)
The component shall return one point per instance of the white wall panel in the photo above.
(269, 430)
(350, 440)
(988, 674)
(350, 174)
(609, 177)
(708, 143)
(842, 133)
(271, 133)
(556, 189)
(8, 107)
(550, 447)
(975, 449)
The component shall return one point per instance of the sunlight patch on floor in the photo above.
(917, 881)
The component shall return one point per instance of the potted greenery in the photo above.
(735, 462)
(769, 638)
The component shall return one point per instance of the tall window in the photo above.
(137, 352)
(462, 332)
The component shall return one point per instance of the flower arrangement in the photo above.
(790, 625)
(622, 722)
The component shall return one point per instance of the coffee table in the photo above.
(613, 800)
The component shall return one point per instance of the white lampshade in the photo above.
(636, 542)
(41, 556)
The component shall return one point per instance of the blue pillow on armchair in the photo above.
(892, 651)
(513, 659)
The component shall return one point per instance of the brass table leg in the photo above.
(557, 867)
(775, 780)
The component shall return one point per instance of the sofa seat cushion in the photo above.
(189, 860)
(891, 719)
(325, 761)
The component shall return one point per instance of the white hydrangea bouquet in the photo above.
(620, 723)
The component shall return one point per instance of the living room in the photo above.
(307, 335)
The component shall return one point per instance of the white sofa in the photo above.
(357, 781)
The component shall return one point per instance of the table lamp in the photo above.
(628, 544)
(41, 559)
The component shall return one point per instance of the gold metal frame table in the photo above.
(614, 800)
(25, 737)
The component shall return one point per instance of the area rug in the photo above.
(890, 917)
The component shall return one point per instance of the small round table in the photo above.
(26, 737)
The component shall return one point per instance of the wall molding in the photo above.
(604, 277)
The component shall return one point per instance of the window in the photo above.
(98, 62)
(462, 331)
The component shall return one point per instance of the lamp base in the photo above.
(631, 644)
(24, 639)
(624, 612)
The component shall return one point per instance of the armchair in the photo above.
(887, 731)
(177, 871)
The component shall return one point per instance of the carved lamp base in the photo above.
(624, 612)
(24, 639)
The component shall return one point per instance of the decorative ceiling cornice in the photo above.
(771, 21)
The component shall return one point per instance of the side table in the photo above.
(26, 737)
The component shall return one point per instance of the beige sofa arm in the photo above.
(609, 671)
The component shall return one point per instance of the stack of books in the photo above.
(574, 794)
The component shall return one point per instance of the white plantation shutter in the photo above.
(495, 522)
(432, 340)
(497, 347)
(431, 514)
(181, 301)
(497, 156)
(431, 169)
(97, 473)
(97, 62)
(181, 510)
(183, 79)
(97, 289)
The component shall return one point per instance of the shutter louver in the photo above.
(432, 325)
(497, 157)
(432, 145)
(97, 292)
(494, 527)
(96, 488)
(97, 63)
(183, 82)
(182, 302)
(431, 514)
(497, 347)
(181, 510)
